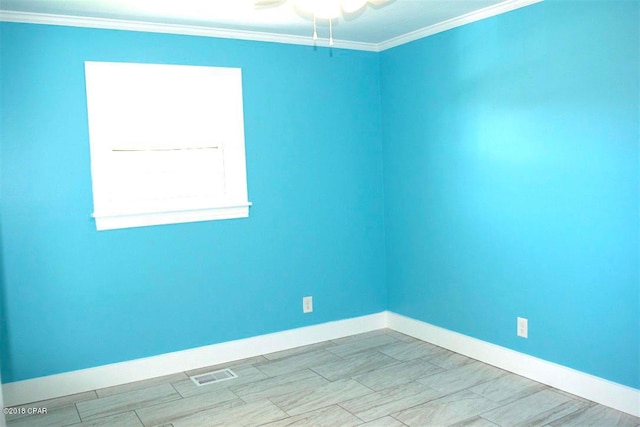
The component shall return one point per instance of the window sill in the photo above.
(143, 219)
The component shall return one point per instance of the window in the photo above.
(167, 144)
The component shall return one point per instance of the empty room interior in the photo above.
(436, 227)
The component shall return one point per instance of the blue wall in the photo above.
(78, 298)
(511, 188)
(511, 150)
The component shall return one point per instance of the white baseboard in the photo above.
(617, 396)
(52, 386)
(608, 393)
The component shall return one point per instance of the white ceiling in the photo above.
(374, 28)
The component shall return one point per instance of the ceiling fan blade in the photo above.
(258, 4)
(352, 6)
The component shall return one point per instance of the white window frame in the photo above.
(171, 120)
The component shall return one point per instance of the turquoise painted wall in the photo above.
(77, 298)
(3, 318)
(511, 156)
(511, 188)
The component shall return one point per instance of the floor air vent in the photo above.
(213, 377)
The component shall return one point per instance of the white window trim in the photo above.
(232, 204)
(141, 219)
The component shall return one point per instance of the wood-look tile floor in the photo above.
(380, 378)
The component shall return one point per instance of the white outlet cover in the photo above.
(523, 327)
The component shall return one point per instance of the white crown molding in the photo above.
(608, 393)
(52, 386)
(192, 30)
(189, 30)
(487, 12)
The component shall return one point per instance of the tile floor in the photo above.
(380, 378)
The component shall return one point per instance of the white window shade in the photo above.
(167, 143)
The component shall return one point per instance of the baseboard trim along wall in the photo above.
(608, 393)
(52, 386)
(617, 396)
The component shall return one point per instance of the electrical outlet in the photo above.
(523, 327)
(307, 304)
